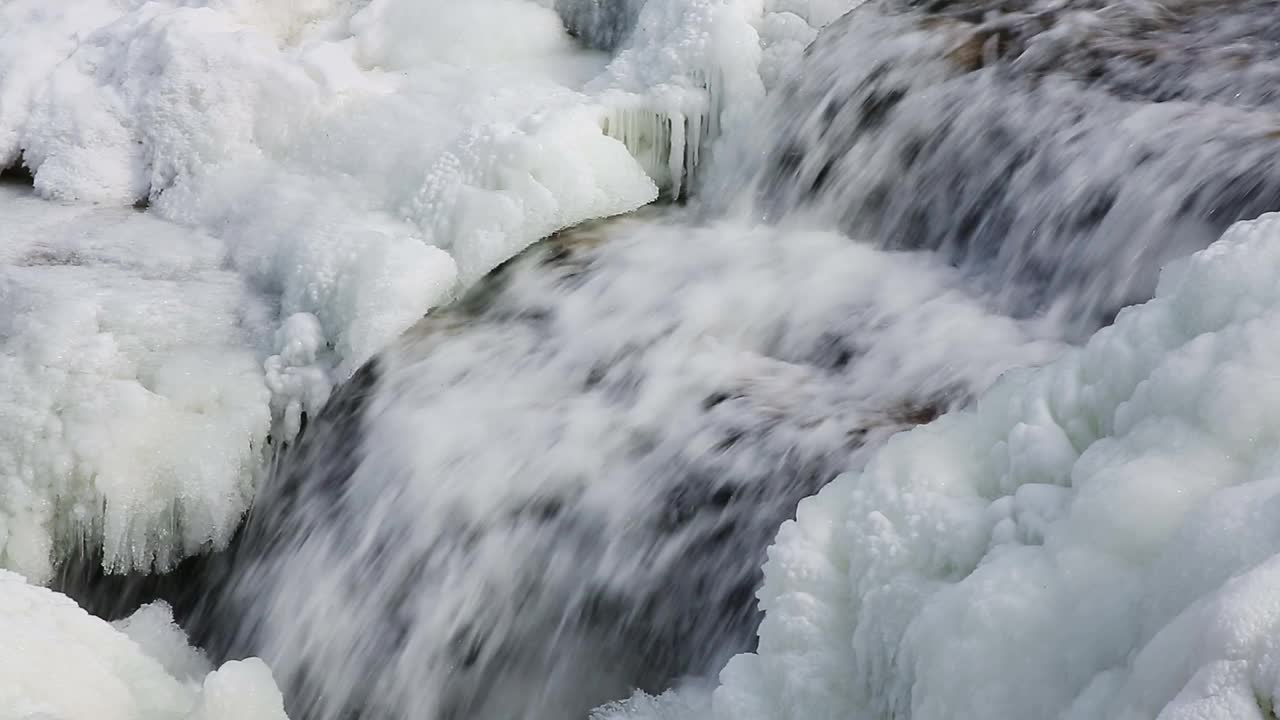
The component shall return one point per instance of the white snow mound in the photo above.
(1096, 539)
(57, 662)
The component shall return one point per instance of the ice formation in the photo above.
(60, 663)
(133, 414)
(788, 27)
(299, 385)
(690, 70)
(697, 60)
(336, 155)
(1095, 539)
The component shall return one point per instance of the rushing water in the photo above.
(561, 488)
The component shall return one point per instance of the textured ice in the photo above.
(787, 27)
(133, 413)
(58, 662)
(299, 382)
(152, 627)
(1096, 539)
(690, 70)
(334, 148)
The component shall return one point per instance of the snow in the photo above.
(59, 662)
(297, 381)
(1094, 539)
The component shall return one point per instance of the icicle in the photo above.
(676, 156)
(667, 143)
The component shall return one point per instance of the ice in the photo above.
(668, 145)
(687, 702)
(688, 73)
(1094, 539)
(133, 414)
(152, 627)
(239, 690)
(299, 383)
(59, 662)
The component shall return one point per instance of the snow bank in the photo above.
(688, 69)
(1095, 539)
(57, 661)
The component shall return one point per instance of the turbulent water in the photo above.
(1060, 152)
(563, 486)
(560, 486)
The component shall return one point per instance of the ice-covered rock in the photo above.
(59, 662)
